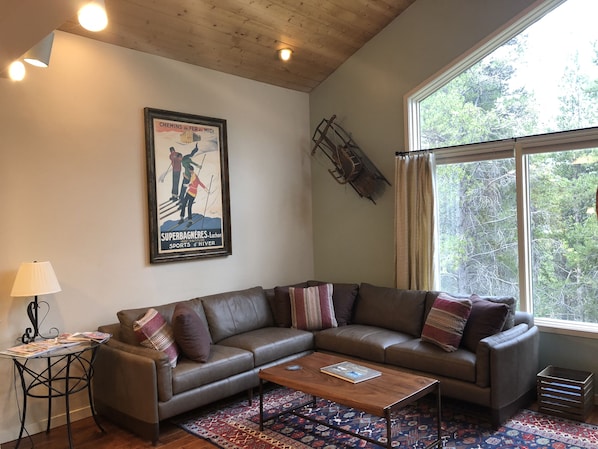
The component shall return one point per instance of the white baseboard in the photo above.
(40, 426)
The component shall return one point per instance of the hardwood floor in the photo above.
(87, 436)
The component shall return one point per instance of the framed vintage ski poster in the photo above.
(188, 193)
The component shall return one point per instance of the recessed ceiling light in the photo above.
(285, 54)
(16, 71)
(92, 16)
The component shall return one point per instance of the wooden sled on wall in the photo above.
(351, 165)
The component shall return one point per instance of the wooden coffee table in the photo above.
(379, 396)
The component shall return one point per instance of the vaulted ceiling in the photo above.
(240, 37)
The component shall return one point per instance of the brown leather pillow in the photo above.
(282, 305)
(343, 298)
(191, 333)
(486, 318)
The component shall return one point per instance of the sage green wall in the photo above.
(353, 238)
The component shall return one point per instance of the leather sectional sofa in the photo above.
(138, 387)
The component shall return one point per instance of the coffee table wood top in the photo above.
(375, 396)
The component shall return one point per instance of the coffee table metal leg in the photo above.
(439, 416)
(388, 429)
(438, 442)
(261, 405)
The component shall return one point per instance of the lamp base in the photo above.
(31, 333)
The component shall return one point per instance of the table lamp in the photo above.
(33, 279)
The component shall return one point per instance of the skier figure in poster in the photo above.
(176, 159)
(187, 163)
(190, 195)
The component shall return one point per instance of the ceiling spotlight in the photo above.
(285, 54)
(39, 55)
(92, 16)
(16, 71)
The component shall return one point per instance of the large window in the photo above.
(564, 230)
(517, 166)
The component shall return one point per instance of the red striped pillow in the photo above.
(154, 332)
(446, 321)
(312, 308)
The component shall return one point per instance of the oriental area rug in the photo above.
(234, 424)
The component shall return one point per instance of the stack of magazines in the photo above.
(99, 337)
(39, 347)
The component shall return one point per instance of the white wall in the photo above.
(73, 189)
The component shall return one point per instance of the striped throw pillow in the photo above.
(446, 321)
(312, 307)
(154, 332)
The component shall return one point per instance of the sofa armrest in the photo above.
(512, 358)
(524, 317)
(130, 361)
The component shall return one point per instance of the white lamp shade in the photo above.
(35, 278)
(39, 55)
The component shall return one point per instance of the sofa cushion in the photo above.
(312, 308)
(343, 298)
(358, 340)
(511, 303)
(282, 304)
(223, 362)
(390, 308)
(236, 312)
(190, 333)
(445, 323)
(421, 356)
(155, 333)
(271, 343)
(486, 318)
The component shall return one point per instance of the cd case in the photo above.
(350, 372)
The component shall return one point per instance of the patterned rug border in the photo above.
(233, 424)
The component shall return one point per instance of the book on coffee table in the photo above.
(350, 372)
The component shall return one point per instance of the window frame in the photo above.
(518, 148)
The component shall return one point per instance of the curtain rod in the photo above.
(432, 150)
(405, 153)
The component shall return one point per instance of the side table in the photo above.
(66, 371)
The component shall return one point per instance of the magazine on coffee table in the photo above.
(350, 372)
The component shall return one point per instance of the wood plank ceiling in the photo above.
(241, 37)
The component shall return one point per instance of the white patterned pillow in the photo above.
(154, 332)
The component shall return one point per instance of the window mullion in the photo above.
(523, 230)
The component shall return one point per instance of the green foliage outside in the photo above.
(478, 249)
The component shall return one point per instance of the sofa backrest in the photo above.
(391, 308)
(510, 301)
(236, 312)
(126, 317)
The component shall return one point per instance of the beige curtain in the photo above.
(414, 219)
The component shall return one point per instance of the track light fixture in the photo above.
(39, 55)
